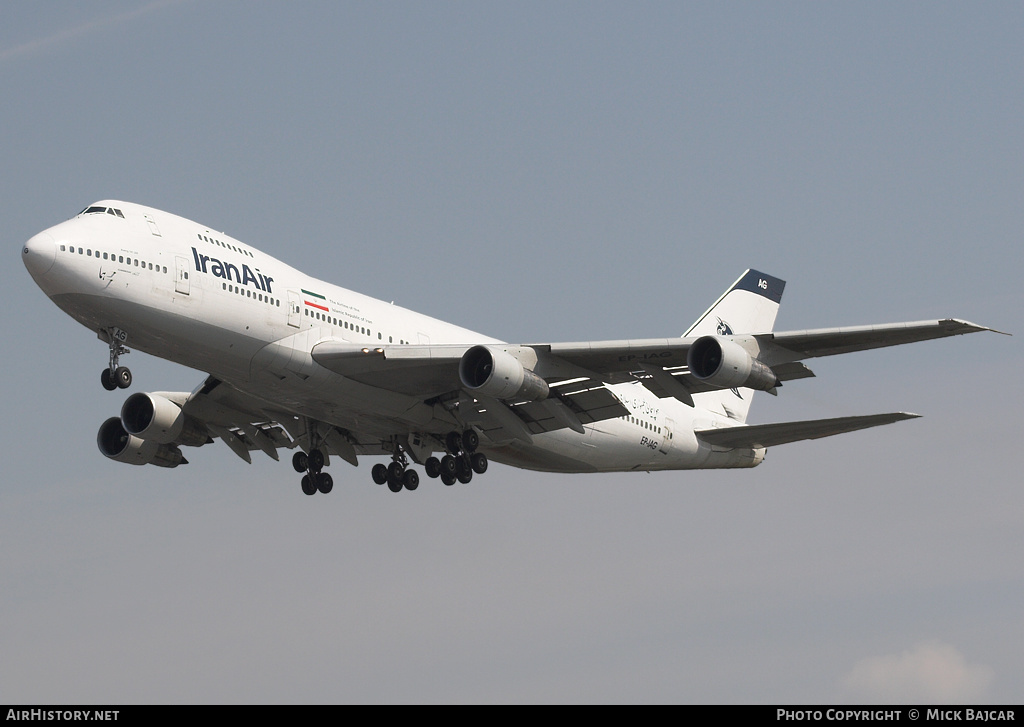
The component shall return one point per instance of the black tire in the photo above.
(324, 482)
(108, 383)
(395, 471)
(479, 462)
(465, 477)
(447, 479)
(395, 485)
(411, 479)
(433, 467)
(379, 473)
(454, 442)
(463, 467)
(316, 460)
(122, 377)
(300, 462)
(470, 440)
(308, 487)
(448, 465)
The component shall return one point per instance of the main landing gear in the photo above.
(458, 465)
(461, 461)
(115, 376)
(314, 480)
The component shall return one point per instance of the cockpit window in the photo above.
(102, 210)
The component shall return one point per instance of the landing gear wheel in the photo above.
(465, 477)
(108, 383)
(395, 472)
(448, 465)
(316, 460)
(379, 474)
(122, 377)
(324, 482)
(470, 440)
(411, 480)
(447, 479)
(453, 442)
(433, 467)
(307, 485)
(300, 462)
(478, 461)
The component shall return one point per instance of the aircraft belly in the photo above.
(170, 334)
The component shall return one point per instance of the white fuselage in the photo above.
(183, 292)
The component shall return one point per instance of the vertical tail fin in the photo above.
(748, 306)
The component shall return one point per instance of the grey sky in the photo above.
(535, 171)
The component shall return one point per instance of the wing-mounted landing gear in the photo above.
(461, 459)
(116, 376)
(315, 480)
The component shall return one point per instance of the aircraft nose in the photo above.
(39, 254)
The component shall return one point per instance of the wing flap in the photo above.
(770, 435)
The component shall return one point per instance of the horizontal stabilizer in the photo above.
(769, 435)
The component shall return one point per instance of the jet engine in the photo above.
(723, 363)
(498, 374)
(155, 418)
(120, 446)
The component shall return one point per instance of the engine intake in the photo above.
(724, 363)
(117, 444)
(496, 373)
(155, 418)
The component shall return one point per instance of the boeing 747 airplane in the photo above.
(293, 362)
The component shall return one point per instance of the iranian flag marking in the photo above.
(311, 304)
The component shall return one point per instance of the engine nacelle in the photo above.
(496, 373)
(725, 364)
(120, 446)
(157, 419)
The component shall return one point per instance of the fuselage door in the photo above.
(294, 308)
(152, 225)
(667, 427)
(181, 284)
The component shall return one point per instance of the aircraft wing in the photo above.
(832, 341)
(769, 435)
(432, 371)
(660, 364)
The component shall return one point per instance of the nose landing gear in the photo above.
(116, 376)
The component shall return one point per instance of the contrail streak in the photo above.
(41, 44)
